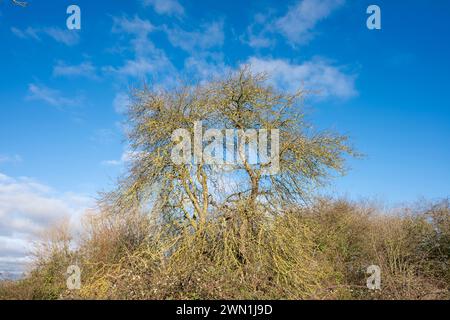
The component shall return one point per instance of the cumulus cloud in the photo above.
(64, 36)
(317, 75)
(27, 208)
(168, 7)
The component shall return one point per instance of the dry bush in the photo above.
(47, 276)
(355, 236)
(317, 252)
(228, 259)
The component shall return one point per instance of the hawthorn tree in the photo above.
(193, 192)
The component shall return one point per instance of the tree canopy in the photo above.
(196, 190)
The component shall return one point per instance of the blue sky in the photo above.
(63, 91)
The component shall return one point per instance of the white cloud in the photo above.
(152, 64)
(85, 69)
(48, 95)
(209, 36)
(64, 36)
(126, 157)
(258, 33)
(203, 67)
(317, 75)
(27, 208)
(121, 102)
(138, 68)
(135, 26)
(67, 37)
(29, 32)
(169, 7)
(205, 59)
(298, 23)
(112, 162)
(103, 136)
(148, 60)
(10, 158)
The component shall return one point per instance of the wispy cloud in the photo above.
(121, 102)
(10, 158)
(136, 26)
(64, 36)
(147, 60)
(204, 45)
(67, 37)
(208, 36)
(85, 69)
(205, 66)
(103, 136)
(138, 68)
(318, 75)
(50, 96)
(27, 33)
(297, 25)
(259, 34)
(127, 157)
(168, 7)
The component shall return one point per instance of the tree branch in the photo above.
(20, 3)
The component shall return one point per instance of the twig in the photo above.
(20, 3)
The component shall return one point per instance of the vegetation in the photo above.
(190, 231)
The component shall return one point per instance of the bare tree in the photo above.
(196, 191)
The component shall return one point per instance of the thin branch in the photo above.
(20, 3)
